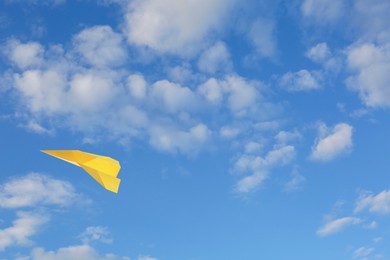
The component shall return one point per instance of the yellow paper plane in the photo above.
(102, 168)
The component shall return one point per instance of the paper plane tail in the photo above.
(108, 182)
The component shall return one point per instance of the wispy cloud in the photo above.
(362, 252)
(379, 203)
(31, 192)
(96, 234)
(296, 181)
(71, 252)
(337, 225)
(259, 166)
(25, 225)
(172, 26)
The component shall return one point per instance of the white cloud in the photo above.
(35, 127)
(253, 147)
(261, 35)
(259, 166)
(379, 203)
(371, 225)
(302, 80)
(24, 226)
(371, 18)
(42, 90)
(100, 46)
(137, 86)
(146, 258)
(332, 143)
(173, 26)
(96, 233)
(84, 252)
(284, 137)
(370, 64)
(36, 189)
(319, 52)
(24, 55)
(182, 74)
(242, 94)
(75, 94)
(239, 94)
(251, 182)
(229, 132)
(323, 11)
(173, 97)
(362, 252)
(214, 59)
(322, 54)
(280, 155)
(91, 91)
(337, 225)
(212, 91)
(172, 140)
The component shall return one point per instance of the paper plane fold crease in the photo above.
(102, 168)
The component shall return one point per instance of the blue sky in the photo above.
(245, 129)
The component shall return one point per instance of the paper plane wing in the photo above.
(102, 168)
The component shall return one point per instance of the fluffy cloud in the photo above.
(100, 46)
(23, 227)
(332, 142)
(36, 189)
(322, 54)
(337, 225)
(24, 55)
(212, 91)
(319, 52)
(91, 91)
(322, 11)
(42, 90)
(173, 97)
(370, 64)
(302, 80)
(379, 203)
(241, 95)
(172, 140)
(137, 86)
(75, 94)
(84, 252)
(173, 26)
(214, 59)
